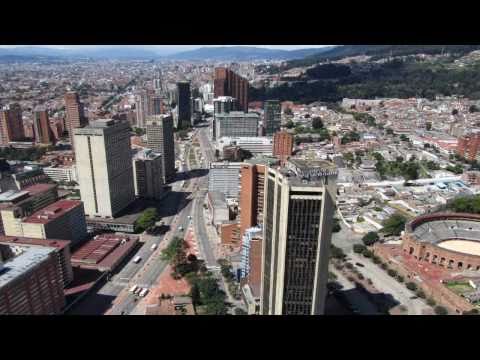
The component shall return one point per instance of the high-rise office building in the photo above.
(282, 145)
(160, 140)
(184, 104)
(228, 83)
(11, 124)
(298, 216)
(236, 124)
(222, 105)
(252, 180)
(104, 166)
(272, 118)
(41, 128)
(75, 115)
(147, 172)
(157, 81)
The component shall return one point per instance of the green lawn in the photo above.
(459, 287)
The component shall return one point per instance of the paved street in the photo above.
(354, 296)
(388, 285)
(346, 238)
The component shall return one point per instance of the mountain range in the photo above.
(235, 53)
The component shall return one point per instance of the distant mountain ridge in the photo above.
(344, 51)
(204, 53)
(244, 53)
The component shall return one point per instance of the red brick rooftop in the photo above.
(103, 251)
(59, 244)
(38, 188)
(52, 211)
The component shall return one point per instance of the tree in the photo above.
(400, 278)
(239, 311)
(290, 124)
(148, 218)
(358, 248)
(454, 112)
(317, 123)
(288, 111)
(403, 137)
(336, 252)
(431, 302)
(367, 253)
(421, 294)
(392, 273)
(411, 286)
(394, 225)
(336, 226)
(440, 310)
(473, 109)
(370, 238)
(428, 126)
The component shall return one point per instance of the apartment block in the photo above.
(148, 176)
(62, 252)
(64, 219)
(31, 281)
(11, 124)
(252, 181)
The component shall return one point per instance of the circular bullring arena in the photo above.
(449, 240)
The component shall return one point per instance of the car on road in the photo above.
(137, 291)
(154, 247)
(180, 228)
(137, 259)
(133, 288)
(143, 292)
(359, 264)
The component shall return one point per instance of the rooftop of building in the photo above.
(28, 258)
(53, 243)
(17, 196)
(238, 114)
(263, 140)
(104, 251)
(13, 195)
(263, 160)
(52, 211)
(217, 198)
(147, 154)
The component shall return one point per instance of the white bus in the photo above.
(137, 259)
(143, 292)
(134, 287)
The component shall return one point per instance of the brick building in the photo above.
(31, 281)
(468, 146)
(11, 124)
(62, 252)
(228, 83)
(282, 145)
(41, 128)
(252, 179)
(64, 219)
(75, 115)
